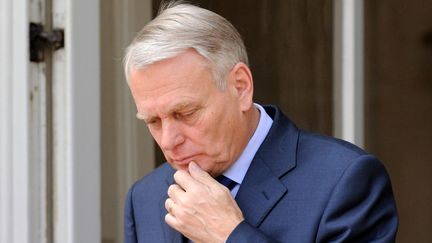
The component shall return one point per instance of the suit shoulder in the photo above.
(329, 144)
(327, 160)
(328, 151)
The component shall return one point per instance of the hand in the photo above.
(200, 208)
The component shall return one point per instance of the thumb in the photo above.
(199, 174)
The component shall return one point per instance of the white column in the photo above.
(16, 221)
(348, 71)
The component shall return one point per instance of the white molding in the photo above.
(22, 217)
(6, 203)
(348, 71)
(76, 85)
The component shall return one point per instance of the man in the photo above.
(189, 76)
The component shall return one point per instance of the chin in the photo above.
(205, 165)
(212, 170)
(179, 167)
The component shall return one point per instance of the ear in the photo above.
(241, 83)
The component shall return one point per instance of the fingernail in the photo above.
(193, 166)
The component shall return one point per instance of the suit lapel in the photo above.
(259, 192)
(261, 188)
(171, 235)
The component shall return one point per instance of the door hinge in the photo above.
(41, 40)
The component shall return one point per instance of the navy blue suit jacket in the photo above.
(300, 187)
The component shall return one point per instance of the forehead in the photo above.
(177, 82)
(182, 69)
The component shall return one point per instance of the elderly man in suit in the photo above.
(237, 171)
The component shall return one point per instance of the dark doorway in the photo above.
(399, 106)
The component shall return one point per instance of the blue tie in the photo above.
(227, 182)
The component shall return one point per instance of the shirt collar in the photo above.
(238, 170)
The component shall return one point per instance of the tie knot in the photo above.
(227, 182)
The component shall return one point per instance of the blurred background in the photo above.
(71, 146)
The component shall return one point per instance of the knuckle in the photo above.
(180, 215)
(168, 206)
(176, 175)
(195, 190)
(180, 201)
(226, 190)
(187, 201)
(221, 191)
(171, 189)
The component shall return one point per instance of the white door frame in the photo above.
(76, 82)
(15, 207)
(76, 85)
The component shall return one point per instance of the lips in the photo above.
(182, 161)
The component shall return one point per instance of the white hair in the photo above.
(181, 26)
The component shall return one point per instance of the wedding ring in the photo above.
(169, 205)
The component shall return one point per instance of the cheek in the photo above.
(154, 134)
(212, 129)
(202, 138)
(218, 135)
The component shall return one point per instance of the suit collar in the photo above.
(280, 146)
(275, 158)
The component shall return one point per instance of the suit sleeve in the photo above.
(129, 219)
(246, 233)
(361, 207)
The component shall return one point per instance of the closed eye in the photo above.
(151, 121)
(182, 115)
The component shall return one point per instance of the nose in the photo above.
(171, 136)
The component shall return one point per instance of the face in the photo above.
(188, 116)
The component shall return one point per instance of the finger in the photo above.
(170, 217)
(169, 206)
(185, 180)
(200, 175)
(172, 221)
(175, 192)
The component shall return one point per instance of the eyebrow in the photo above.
(177, 107)
(140, 116)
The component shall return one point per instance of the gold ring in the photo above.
(170, 206)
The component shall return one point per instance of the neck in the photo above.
(253, 119)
